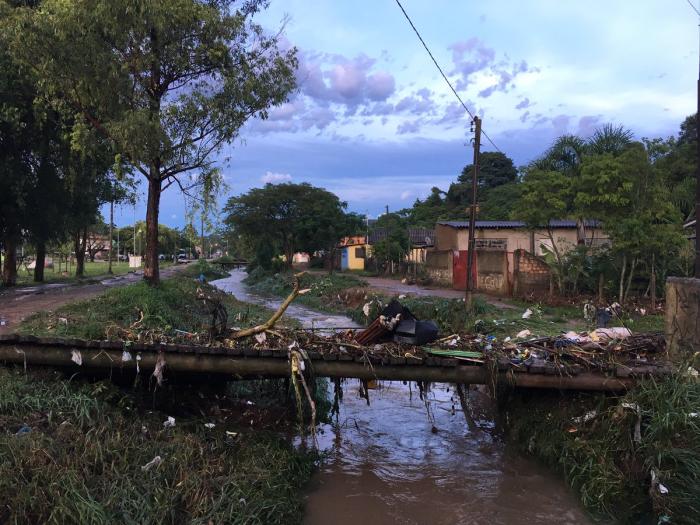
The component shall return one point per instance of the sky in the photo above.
(374, 122)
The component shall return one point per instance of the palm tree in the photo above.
(609, 139)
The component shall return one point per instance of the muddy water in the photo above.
(385, 464)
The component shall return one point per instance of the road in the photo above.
(393, 286)
(19, 303)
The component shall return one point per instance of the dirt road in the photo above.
(19, 303)
(393, 286)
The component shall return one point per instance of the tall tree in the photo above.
(286, 218)
(168, 83)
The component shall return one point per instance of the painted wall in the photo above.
(350, 258)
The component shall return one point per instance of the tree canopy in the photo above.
(282, 219)
(167, 83)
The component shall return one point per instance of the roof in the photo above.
(503, 225)
(417, 236)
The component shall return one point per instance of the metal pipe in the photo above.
(257, 367)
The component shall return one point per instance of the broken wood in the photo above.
(267, 325)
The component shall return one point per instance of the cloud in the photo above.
(587, 125)
(410, 126)
(405, 195)
(524, 104)
(472, 57)
(341, 80)
(275, 178)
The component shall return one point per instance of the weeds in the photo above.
(170, 306)
(592, 440)
(82, 462)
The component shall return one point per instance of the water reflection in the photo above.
(386, 466)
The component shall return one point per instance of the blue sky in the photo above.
(374, 122)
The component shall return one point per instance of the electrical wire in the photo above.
(693, 6)
(443, 73)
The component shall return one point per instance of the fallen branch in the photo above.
(276, 316)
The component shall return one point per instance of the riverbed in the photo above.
(407, 460)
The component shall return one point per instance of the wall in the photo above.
(438, 265)
(492, 272)
(355, 262)
(683, 315)
(530, 274)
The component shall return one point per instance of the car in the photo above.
(182, 257)
(161, 257)
(122, 257)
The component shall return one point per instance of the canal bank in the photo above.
(404, 459)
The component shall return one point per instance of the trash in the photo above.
(523, 334)
(231, 434)
(589, 312)
(365, 309)
(63, 320)
(585, 418)
(261, 337)
(155, 462)
(76, 357)
(126, 356)
(169, 423)
(23, 431)
(618, 332)
(527, 314)
(209, 425)
(158, 370)
(656, 483)
(402, 296)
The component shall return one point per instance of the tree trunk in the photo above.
(629, 278)
(111, 233)
(151, 272)
(9, 268)
(331, 261)
(560, 264)
(601, 286)
(621, 291)
(79, 246)
(652, 284)
(40, 261)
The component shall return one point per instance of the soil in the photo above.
(16, 304)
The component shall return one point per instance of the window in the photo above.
(360, 253)
(491, 244)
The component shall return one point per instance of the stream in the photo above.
(385, 465)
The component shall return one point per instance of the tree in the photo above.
(286, 218)
(393, 244)
(631, 199)
(495, 169)
(546, 196)
(168, 83)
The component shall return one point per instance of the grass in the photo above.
(93, 270)
(602, 460)
(82, 455)
(168, 307)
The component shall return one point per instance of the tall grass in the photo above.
(81, 462)
(601, 458)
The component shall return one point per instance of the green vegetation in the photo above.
(93, 271)
(591, 440)
(168, 307)
(79, 450)
(283, 219)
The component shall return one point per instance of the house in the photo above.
(508, 254)
(352, 253)
(421, 240)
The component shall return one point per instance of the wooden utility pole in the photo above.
(697, 182)
(111, 231)
(471, 248)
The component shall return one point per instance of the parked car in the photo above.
(122, 257)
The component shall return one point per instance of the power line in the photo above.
(443, 73)
(693, 6)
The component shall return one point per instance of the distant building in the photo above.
(352, 253)
(508, 254)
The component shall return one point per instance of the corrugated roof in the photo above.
(486, 225)
(417, 236)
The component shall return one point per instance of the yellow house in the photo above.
(353, 252)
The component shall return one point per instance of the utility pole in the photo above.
(111, 232)
(697, 181)
(472, 216)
